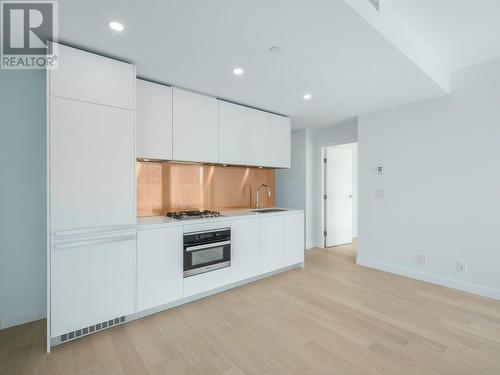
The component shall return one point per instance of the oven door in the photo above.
(206, 257)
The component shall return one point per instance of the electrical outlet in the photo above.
(421, 259)
(461, 267)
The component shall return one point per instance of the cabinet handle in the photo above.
(208, 246)
(72, 232)
(70, 245)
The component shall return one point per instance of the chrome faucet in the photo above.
(258, 190)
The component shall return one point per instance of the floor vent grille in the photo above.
(376, 4)
(91, 329)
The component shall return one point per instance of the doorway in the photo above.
(340, 194)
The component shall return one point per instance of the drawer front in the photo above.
(207, 281)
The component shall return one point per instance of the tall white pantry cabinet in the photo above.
(91, 192)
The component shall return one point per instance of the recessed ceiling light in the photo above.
(117, 26)
(238, 71)
(307, 97)
(274, 49)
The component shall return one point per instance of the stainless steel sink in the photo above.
(269, 210)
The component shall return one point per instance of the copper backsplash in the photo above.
(163, 187)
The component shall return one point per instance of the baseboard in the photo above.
(23, 316)
(431, 278)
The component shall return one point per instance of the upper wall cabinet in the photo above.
(195, 127)
(279, 141)
(257, 138)
(232, 133)
(153, 121)
(93, 78)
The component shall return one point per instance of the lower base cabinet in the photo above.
(271, 243)
(92, 281)
(293, 239)
(159, 266)
(281, 241)
(244, 249)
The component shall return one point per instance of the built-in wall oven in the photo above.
(206, 251)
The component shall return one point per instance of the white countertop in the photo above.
(164, 221)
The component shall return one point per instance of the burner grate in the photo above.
(192, 214)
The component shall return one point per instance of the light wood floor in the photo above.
(332, 317)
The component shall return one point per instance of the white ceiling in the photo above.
(460, 32)
(327, 50)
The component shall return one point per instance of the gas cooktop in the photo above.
(190, 215)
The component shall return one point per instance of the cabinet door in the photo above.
(244, 249)
(293, 239)
(279, 141)
(92, 166)
(196, 127)
(92, 281)
(232, 133)
(153, 121)
(257, 138)
(271, 243)
(159, 267)
(93, 78)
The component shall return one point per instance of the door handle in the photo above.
(70, 245)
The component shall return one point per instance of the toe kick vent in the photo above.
(91, 329)
(376, 4)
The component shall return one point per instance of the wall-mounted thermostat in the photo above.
(380, 169)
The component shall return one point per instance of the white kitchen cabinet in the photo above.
(279, 141)
(195, 127)
(244, 249)
(257, 138)
(206, 281)
(153, 121)
(92, 166)
(92, 281)
(93, 78)
(232, 133)
(159, 266)
(293, 239)
(271, 243)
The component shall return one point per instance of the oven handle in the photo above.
(206, 246)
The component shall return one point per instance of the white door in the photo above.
(257, 138)
(153, 121)
(92, 281)
(92, 166)
(338, 190)
(232, 133)
(279, 141)
(159, 266)
(293, 239)
(271, 243)
(195, 127)
(244, 249)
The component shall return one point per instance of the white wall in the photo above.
(340, 133)
(302, 184)
(22, 197)
(292, 186)
(442, 184)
